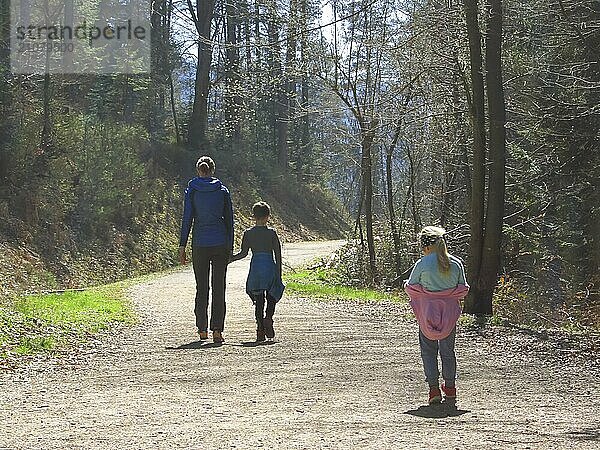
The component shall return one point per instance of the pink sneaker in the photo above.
(435, 396)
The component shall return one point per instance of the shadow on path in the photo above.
(196, 345)
(585, 434)
(440, 411)
(256, 344)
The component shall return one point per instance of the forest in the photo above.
(479, 116)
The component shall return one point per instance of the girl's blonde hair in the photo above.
(434, 237)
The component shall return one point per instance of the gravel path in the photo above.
(339, 375)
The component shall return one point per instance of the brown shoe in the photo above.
(260, 336)
(203, 334)
(218, 337)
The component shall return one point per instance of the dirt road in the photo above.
(340, 375)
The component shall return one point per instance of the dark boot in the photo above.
(269, 330)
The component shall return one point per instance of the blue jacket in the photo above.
(208, 205)
(264, 276)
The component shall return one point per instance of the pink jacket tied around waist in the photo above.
(436, 312)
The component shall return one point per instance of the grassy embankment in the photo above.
(323, 283)
(54, 322)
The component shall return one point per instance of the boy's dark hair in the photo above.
(260, 210)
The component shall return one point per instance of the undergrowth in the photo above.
(513, 303)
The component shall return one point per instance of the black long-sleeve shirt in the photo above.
(260, 238)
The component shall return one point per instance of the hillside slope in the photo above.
(58, 255)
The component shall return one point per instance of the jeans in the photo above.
(203, 258)
(429, 352)
(259, 311)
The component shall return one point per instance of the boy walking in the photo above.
(264, 278)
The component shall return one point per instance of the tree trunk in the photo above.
(5, 92)
(257, 51)
(46, 136)
(460, 133)
(170, 80)
(174, 109)
(280, 121)
(305, 146)
(390, 200)
(4, 36)
(497, 160)
(417, 224)
(290, 81)
(447, 196)
(67, 57)
(233, 99)
(160, 72)
(477, 109)
(358, 224)
(198, 126)
(247, 35)
(367, 177)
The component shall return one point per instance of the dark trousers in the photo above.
(259, 311)
(203, 258)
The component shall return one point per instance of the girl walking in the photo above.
(436, 285)
(264, 278)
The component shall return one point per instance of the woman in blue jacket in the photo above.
(208, 206)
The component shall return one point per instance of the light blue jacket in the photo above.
(427, 273)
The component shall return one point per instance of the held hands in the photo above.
(182, 256)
